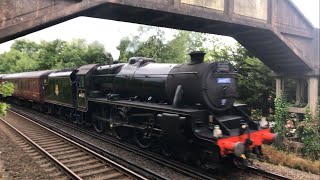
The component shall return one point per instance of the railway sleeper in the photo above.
(83, 163)
(88, 167)
(74, 155)
(73, 160)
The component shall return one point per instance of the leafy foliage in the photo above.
(16, 61)
(309, 133)
(155, 46)
(281, 114)
(6, 89)
(26, 55)
(256, 114)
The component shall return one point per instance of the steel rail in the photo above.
(73, 175)
(44, 152)
(184, 169)
(266, 174)
(177, 166)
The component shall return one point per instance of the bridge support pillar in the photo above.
(280, 85)
(313, 91)
(300, 91)
(313, 84)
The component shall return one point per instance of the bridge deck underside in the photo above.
(263, 43)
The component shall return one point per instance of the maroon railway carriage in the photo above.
(29, 85)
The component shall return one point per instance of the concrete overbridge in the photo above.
(275, 31)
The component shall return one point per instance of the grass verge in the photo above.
(292, 160)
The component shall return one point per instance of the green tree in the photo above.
(16, 61)
(123, 49)
(309, 133)
(25, 45)
(176, 49)
(281, 114)
(26, 55)
(6, 89)
(96, 54)
(155, 45)
(48, 53)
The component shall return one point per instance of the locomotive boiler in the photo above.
(184, 108)
(209, 84)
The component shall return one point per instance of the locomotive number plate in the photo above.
(224, 80)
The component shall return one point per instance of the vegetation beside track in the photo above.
(6, 89)
(278, 157)
(306, 133)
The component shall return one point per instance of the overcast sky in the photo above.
(110, 32)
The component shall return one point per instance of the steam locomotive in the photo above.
(181, 107)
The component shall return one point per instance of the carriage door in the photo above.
(81, 93)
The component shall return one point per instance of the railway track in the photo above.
(182, 168)
(194, 173)
(266, 174)
(73, 159)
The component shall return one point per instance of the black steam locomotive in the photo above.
(182, 107)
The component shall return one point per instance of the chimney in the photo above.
(197, 57)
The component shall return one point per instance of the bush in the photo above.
(6, 89)
(256, 114)
(309, 133)
(281, 114)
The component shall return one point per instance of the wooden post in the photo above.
(313, 94)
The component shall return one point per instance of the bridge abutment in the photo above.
(309, 95)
